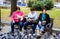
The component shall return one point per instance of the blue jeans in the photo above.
(28, 23)
(40, 27)
(19, 26)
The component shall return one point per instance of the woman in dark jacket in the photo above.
(43, 19)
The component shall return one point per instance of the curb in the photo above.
(56, 30)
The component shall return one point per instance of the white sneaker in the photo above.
(25, 36)
(33, 34)
(38, 34)
(29, 34)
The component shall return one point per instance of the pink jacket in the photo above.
(14, 16)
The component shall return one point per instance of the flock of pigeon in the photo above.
(26, 35)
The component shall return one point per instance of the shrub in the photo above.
(30, 3)
(39, 5)
(49, 5)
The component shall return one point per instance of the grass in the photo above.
(54, 13)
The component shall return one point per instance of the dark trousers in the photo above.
(19, 26)
(32, 24)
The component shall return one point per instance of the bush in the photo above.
(39, 5)
(30, 3)
(49, 5)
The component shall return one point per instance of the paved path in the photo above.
(6, 29)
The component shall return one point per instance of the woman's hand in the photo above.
(30, 20)
(13, 21)
(44, 21)
(18, 16)
(39, 23)
(21, 18)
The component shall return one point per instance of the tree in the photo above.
(13, 6)
(0, 18)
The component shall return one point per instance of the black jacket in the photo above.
(47, 18)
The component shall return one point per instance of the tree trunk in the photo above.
(0, 18)
(0, 15)
(13, 6)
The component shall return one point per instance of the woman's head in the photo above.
(32, 9)
(17, 8)
(44, 11)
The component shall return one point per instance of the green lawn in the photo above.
(54, 13)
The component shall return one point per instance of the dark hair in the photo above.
(17, 8)
(32, 9)
(44, 9)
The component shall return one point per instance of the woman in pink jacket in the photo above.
(17, 17)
